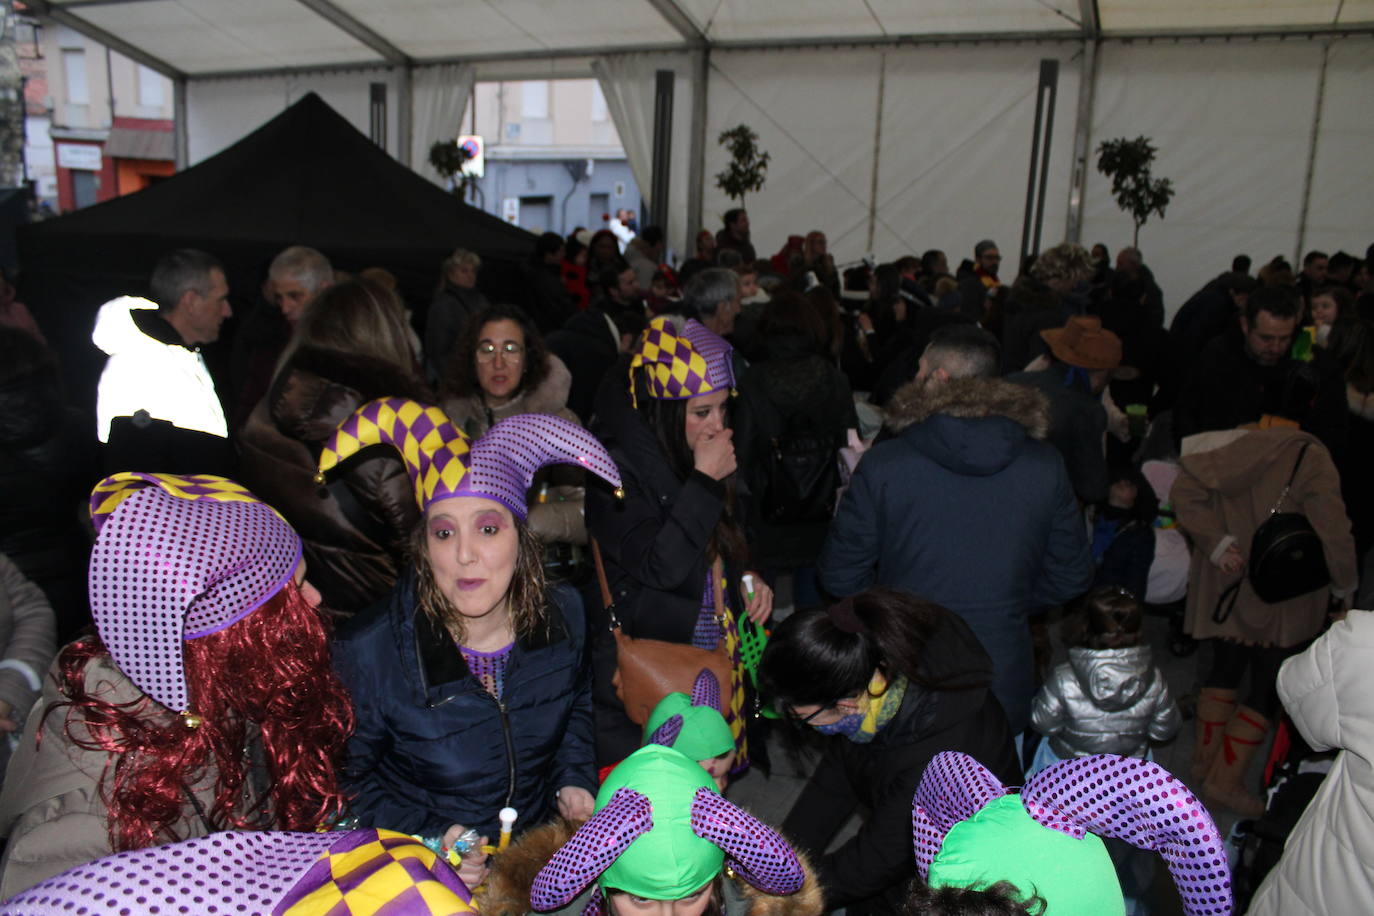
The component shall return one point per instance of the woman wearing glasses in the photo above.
(500, 368)
(891, 680)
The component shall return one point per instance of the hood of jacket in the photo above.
(116, 332)
(1234, 461)
(318, 389)
(958, 670)
(974, 426)
(1114, 678)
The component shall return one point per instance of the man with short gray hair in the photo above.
(712, 297)
(298, 275)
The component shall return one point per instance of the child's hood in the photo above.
(1113, 678)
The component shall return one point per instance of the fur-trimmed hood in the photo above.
(507, 889)
(970, 398)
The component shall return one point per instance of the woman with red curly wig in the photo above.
(207, 700)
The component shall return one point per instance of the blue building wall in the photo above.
(550, 199)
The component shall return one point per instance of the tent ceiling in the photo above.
(214, 37)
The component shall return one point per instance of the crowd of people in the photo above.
(513, 587)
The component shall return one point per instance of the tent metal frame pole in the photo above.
(1091, 20)
(1312, 153)
(356, 30)
(94, 32)
(405, 118)
(877, 151)
(180, 125)
(696, 176)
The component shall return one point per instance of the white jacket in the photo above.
(169, 381)
(1328, 862)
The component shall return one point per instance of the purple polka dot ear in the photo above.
(666, 734)
(953, 788)
(706, 691)
(503, 462)
(1145, 805)
(591, 850)
(754, 850)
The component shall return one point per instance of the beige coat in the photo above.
(28, 640)
(51, 808)
(1328, 862)
(1229, 482)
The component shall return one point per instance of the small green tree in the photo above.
(447, 158)
(747, 163)
(1127, 164)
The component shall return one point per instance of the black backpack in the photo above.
(1286, 557)
(803, 475)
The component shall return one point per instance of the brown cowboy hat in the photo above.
(1083, 342)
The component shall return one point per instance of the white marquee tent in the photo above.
(895, 125)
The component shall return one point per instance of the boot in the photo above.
(1242, 739)
(1214, 708)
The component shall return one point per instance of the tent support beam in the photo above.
(877, 152)
(405, 119)
(180, 127)
(1083, 119)
(696, 176)
(94, 32)
(1312, 154)
(671, 11)
(343, 21)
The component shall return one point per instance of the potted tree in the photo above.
(748, 163)
(1127, 163)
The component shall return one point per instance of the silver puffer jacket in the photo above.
(1105, 701)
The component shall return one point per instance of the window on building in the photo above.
(151, 87)
(74, 75)
(534, 99)
(599, 110)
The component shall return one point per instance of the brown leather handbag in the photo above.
(647, 670)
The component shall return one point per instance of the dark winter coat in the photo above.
(432, 748)
(969, 507)
(1078, 427)
(793, 391)
(871, 871)
(355, 528)
(47, 469)
(588, 344)
(448, 315)
(546, 300)
(1228, 388)
(1031, 307)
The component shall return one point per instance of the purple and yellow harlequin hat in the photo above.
(662, 831)
(443, 463)
(969, 830)
(259, 873)
(685, 365)
(177, 557)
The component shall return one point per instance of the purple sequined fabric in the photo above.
(1123, 797)
(1142, 803)
(165, 569)
(221, 874)
(706, 690)
(755, 850)
(666, 734)
(488, 667)
(592, 849)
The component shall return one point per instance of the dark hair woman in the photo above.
(670, 436)
(469, 681)
(892, 680)
(207, 700)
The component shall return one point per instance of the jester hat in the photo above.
(678, 366)
(969, 831)
(693, 725)
(177, 558)
(442, 463)
(259, 873)
(662, 831)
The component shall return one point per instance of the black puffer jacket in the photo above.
(432, 748)
(869, 874)
(354, 529)
(47, 467)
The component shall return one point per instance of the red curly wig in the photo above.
(271, 670)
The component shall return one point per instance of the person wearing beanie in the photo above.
(204, 702)
(468, 680)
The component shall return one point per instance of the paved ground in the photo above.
(771, 797)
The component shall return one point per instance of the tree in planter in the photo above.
(1127, 164)
(748, 163)
(447, 157)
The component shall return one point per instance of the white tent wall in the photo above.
(1232, 122)
(956, 145)
(440, 98)
(1340, 212)
(954, 151)
(628, 83)
(220, 112)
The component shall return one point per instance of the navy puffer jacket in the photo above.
(432, 748)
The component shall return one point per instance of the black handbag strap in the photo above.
(1278, 503)
(1232, 592)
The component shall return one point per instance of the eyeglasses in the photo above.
(806, 719)
(510, 351)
